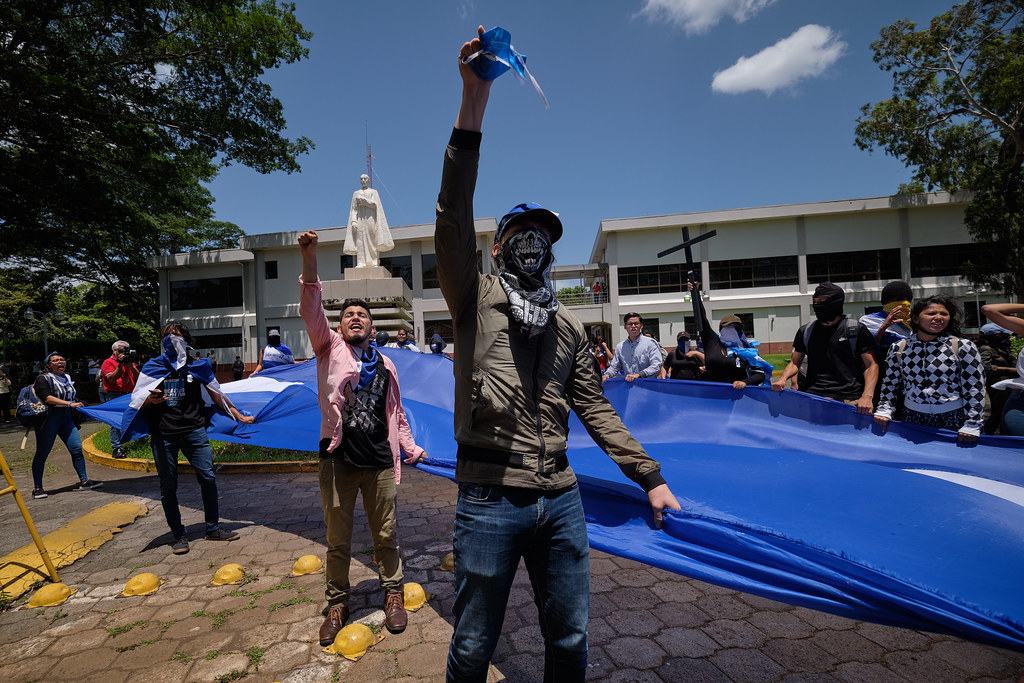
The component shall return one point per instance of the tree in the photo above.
(113, 114)
(957, 118)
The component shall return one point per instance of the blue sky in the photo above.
(656, 107)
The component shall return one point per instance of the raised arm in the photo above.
(1002, 315)
(475, 90)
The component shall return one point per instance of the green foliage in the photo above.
(255, 655)
(125, 628)
(957, 119)
(114, 114)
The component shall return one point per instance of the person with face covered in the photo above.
(839, 352)
(274, 353)
(892, 323)
(362, 431)
(523, 362)
(171, 395)
(684, 361)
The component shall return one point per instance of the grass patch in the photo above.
(779, 360)
(232, 676)
(181, 657)
(288, 603)
(115, 631)
(5, 601)
(219, 618)
(127, 648)
(255, 655)
(210, 656)
(222, 450)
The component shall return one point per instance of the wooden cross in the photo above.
(690, 276)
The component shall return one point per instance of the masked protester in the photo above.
(523, 361)
(892, 323)
(684, 361)
(840, 353)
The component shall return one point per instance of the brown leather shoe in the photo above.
(336, 617)
(395, 616)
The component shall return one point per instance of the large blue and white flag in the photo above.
(785, 495)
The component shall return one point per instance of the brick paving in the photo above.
(646, 624)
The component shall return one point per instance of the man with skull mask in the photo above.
(839, 351)
(522, 362)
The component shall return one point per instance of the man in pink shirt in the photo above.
(362, 430)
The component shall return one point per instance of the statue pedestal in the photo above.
(367, 273)
(389, 298)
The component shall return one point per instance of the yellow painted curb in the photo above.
(73, 541)
(93, 454)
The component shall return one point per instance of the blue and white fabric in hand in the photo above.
(496, 56)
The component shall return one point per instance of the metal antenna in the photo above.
(369, 154)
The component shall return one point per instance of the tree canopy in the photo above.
(113, 114)
(956, 118)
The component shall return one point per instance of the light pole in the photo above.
(976, 290)
(57, 317)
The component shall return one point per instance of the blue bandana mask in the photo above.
(496, 56)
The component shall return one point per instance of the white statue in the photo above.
(368, 231)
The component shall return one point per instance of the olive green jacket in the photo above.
(513, 394)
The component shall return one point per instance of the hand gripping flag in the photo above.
(496, 56)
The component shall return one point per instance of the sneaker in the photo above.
(87, 485)
(395, 616)
(119, 453)
(38, 494)
(336, 617)
(180, 546)
(221, 535)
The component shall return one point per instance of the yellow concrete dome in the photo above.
(142, 584)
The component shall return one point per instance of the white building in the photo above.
(762, 265)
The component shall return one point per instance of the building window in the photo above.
(226, 340)
(399, 266)
(430, 279)
(214, 292)
(347, 261)
(747, 319)
(270, 270)
(754, 272)
(659, 279)
(854, 266)
(653, 325)
(947, 259)
(441, 327)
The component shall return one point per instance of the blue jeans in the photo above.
(494, 527)
(196, 447)
(1013, 414)
(58, 423)
(115, 433)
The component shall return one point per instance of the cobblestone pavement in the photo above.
(645, 624)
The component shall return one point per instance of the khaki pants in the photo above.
(339, 484)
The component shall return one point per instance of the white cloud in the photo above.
(805, 54)
(698, 16)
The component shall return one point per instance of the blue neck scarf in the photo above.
(368, 369)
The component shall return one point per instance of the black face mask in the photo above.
(527, 255)
(828, 311)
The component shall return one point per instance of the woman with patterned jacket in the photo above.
(935, 376)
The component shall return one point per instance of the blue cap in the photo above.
(992, 328)
(534, 212)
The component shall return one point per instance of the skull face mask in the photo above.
(527, 254)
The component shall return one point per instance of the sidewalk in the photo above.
(645, 624)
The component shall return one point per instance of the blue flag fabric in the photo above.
(785, 495)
